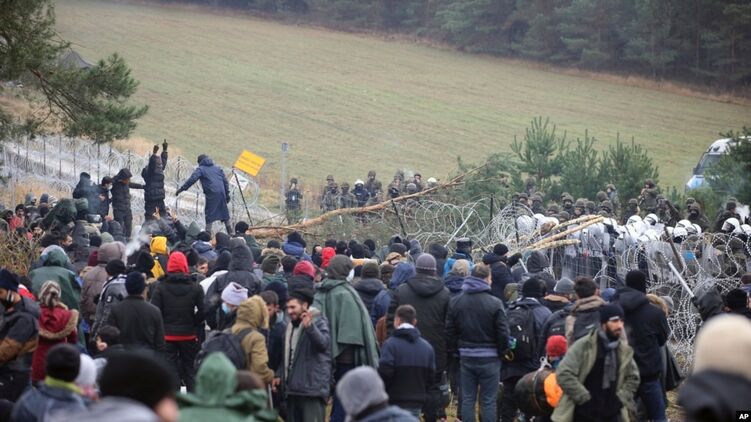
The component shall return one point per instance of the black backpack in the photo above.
(521, 323)
(227, 343)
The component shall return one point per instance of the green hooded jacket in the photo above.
(54, 268)
(349, 321)
(215, 398)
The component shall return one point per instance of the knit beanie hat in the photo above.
(8, 280)
(273, 244)
(234, 294)
(281, 290)
(49, 294)
(63, 362)
(533, 288)
(556, 346)
(304, 268)
(736, 299)
(500, 249)
(123, 376)
(135, 283)
(724, 345)
(360, 389)
(177, 263)
(370, 270)
(115, 268)
(241, 227)
(339, 267)
(610, 311)
(327, 254)
(87, 372)
(93, 258)
(564, 286)
(425, 264)
(106, 238)
(637, 280)
(270, 264)
(399, 248)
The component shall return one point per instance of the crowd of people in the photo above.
(194, 325)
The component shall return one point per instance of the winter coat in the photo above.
(215, 398)
(449, 264)
(104, 204)
(295, 249)
(54, 269)
(583, 318)
(275, 339)
(540, 314)
(349, 322)
(300, 281)
(252, 314)
(240, 271)
(454, 283)
(407, 367)
(114, 228)
(555, 302)
(431, 300)
(536, 265)
(88, 190)
(476, 319)
(41, 404)
(310, 371)
(374, 296)
(113, 409)
(140, 324)
(94, 279)
(389, 414)
(153, 177)
(205, 250)
(215, 188)
(56, 325)
(439, 253)
(647, 330)
(576, 365)
(180, 301)
(113, 292)
(18, 336)
(711, 395)
(555, 325)
(499, 272)
(121, 192)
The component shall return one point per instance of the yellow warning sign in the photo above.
(249, 163)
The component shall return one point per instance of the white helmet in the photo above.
(634, 219)
(680, 232)
(670, 231)
(731, 224)
(431, 180)
(697, 228)
(359, 182)
(683, 223)
(651, 219)
(539, 220)
(746, 229)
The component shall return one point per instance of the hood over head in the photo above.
(242, 257)
(253, 312)
(426, 285)
(159, 245)
(110, 251)
(537, 262)
(339, 267)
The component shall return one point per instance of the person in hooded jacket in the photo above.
(477, 330)
(121, 210)
(499, 269)
(537, 263)
(204, 248)
(112, 292)
(215, 188)
(647, 331)
(88, 190)
(240, 271)
(373, 293)
(140, 323)
(430, 298)
(584, 314)
(364, 398)
(463, 251)
(216, 396)
(93, 280)
(180, 301)
(295, 246)
(531, 294)
(55, 268)
(153, 177)
(252, 317)
(57, 325)
(353, 341)
(18, 337)
(720, 382)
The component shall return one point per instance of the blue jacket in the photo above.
(455, 257)
(215, 187)
(407, 367)
(295, 249)
(38, 404)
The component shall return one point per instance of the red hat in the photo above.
(304, 268)
(326, 254)
(177, 263)
(556, 346)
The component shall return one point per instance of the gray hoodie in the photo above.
(112, 409)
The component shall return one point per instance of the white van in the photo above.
(708, 159)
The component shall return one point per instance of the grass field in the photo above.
(346, 103)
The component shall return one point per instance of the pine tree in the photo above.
(91, 102)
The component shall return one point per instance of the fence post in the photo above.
(98, 176)
(60, 156)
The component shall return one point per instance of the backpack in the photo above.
(521, 322)
(227, 343)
